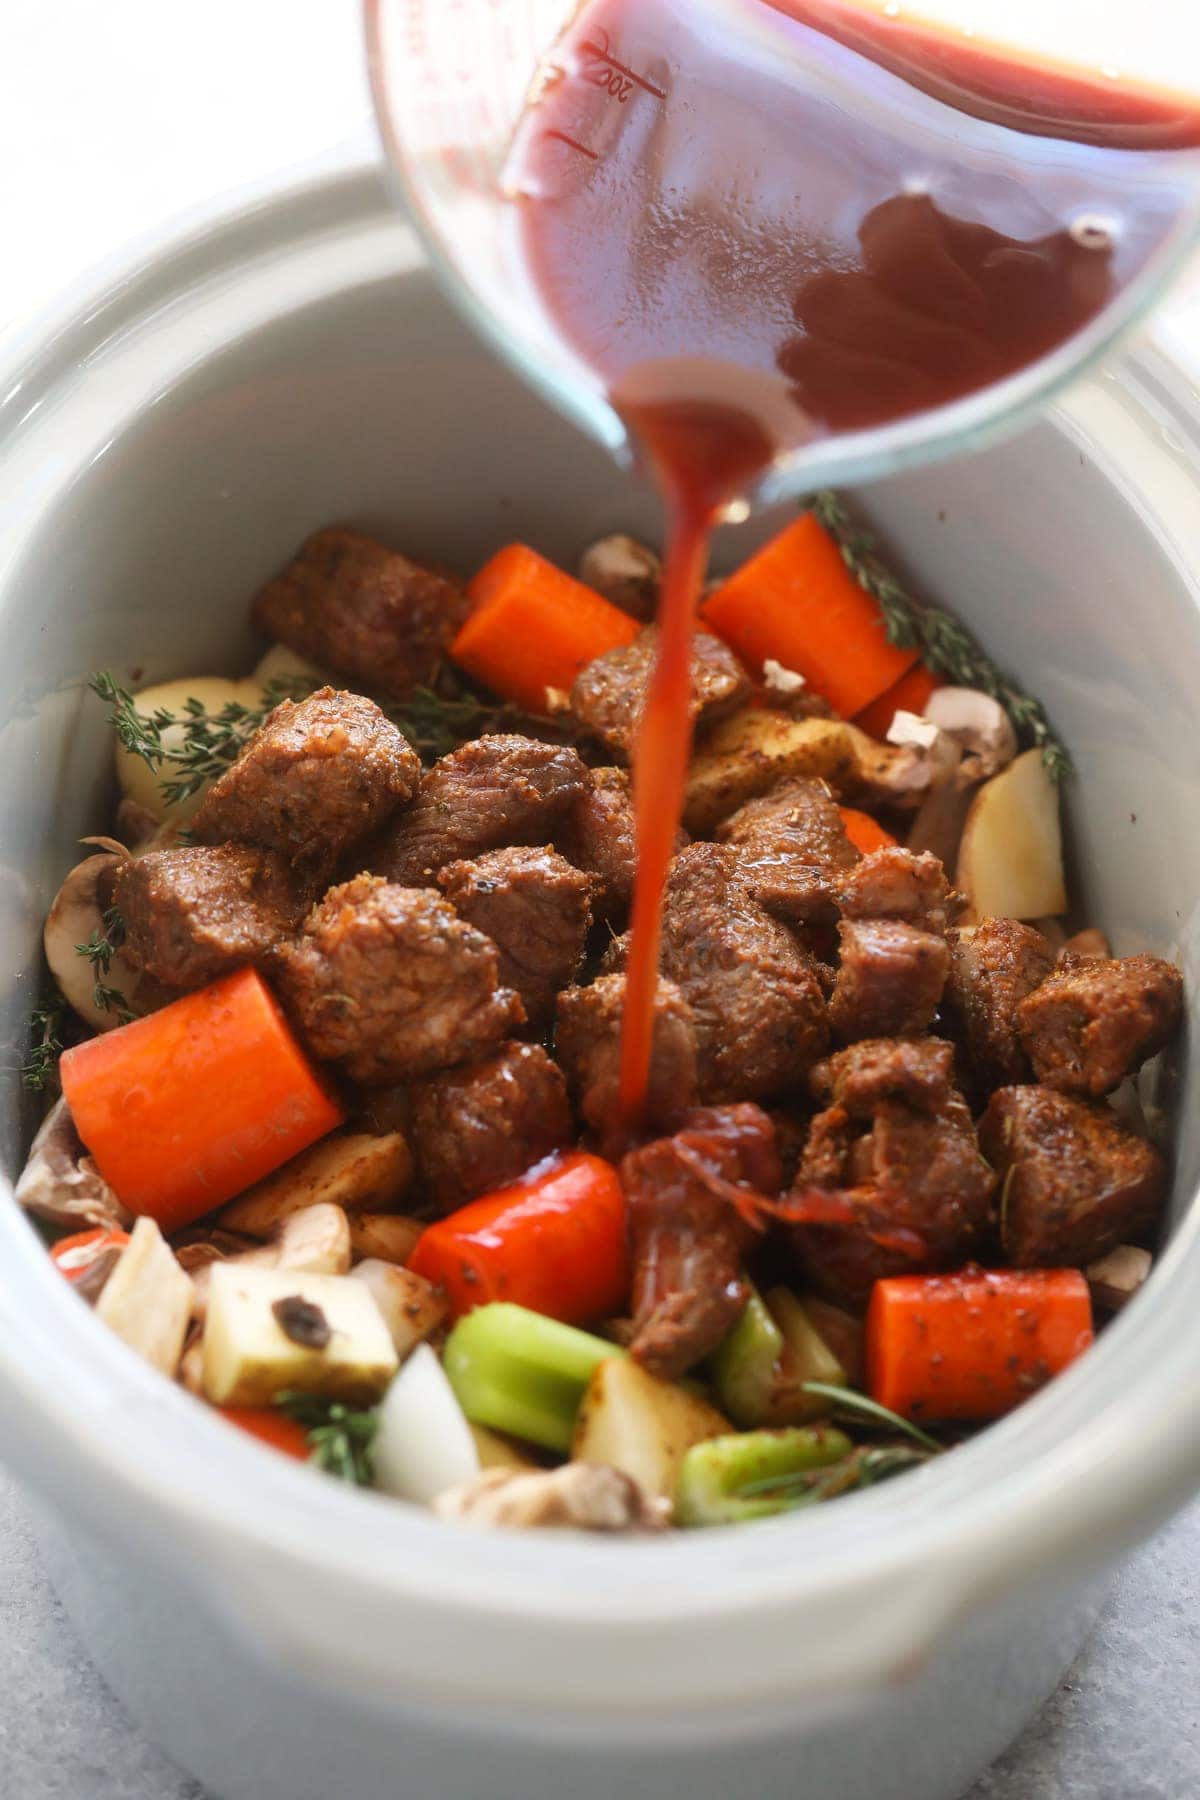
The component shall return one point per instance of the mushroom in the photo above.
(353, 1170)
(314, 1241)
(77, 917)
(896, 775)
(579, 1496)
(147, 1300)
(389, 1237)
(939, 820)
(411, 1306)
(61, 1183)
(1114, 1279)
(982, 727)
(625, 572)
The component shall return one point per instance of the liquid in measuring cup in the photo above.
(766, 222)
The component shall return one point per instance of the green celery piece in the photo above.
(806, 1357)
(714, 1475)
(745, 1364)
(520, 1372)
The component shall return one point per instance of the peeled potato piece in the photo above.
(1010, 861)
(140, 782)
(641, 1425)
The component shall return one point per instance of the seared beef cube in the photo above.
(492, 792)
(599, 836)
(478, 1128)
(761, 1019)
(609, 693)
(918, 1070)
(351, 604)
(588, 1045)
(897, 884)
(993, 966)
(900, 1192)
(313, 780)
(195, 913)
(793, 846)
(889, 980)
(688, 1235)
(1094, 1021)
(1075, 1182)
(537, 911)
(390, 983)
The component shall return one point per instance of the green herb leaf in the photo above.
(341, 1438)
(47, 1022)
(946, 645)
(848, 1401)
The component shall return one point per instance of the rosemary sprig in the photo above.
(863, 1468)
(207, 742)
(946, 646)
(850, 1401)
(47, 1023)
(341, 1439)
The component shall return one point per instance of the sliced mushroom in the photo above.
(61, 1183)
(77, 917)
(389, 1236)
(625, 572)
(147, 1300)
(980, 724)
(1114, 1279)
(897, 775)
(314, 1241)
(411, 1306)
(577, 1497)
(353, 1170)
(191, 1364)
(199, 1249)
(136, 825)
(939, 820)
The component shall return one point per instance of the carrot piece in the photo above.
(974, 1344)
(797, 602)
(184, 1108)
(553, 1242)
(909, 694)
(270, 1427)
(73, 1256)
(864, 832)
(534, 627)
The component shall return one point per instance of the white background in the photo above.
(117, 117)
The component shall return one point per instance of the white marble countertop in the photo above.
(118, 117)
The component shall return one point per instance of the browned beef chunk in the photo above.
(1094, 1021)
(479, 1127)
(688, 1235)
(194, 913)
(536, 909)
(598, 836)
(317, 777)
(993, 966)
(760, 1014)
(793, 847)
(897, 884)
(588, 1044)
(353, 605)
(897, 1192)
(390, 983)
(889, 979)
(1074, 1181)
(495, 791)
(608, 694)
(919, 1071)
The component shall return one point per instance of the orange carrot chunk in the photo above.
(553, 1241)
(270, 1427)
(74, 1256)
(534, 627)
(864, 832)
(797, 602)
(909, 694)
(974, 1344)
(183, 1109)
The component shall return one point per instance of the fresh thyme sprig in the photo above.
(863, 1468)
(208, 742)
(438, 720)
(946, 646)
(341, 1439)
(99, 951)
(47, 1022)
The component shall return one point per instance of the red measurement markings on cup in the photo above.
(604, 70)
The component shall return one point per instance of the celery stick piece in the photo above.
(745, 1364)
(522, 1373)
(727, 1480)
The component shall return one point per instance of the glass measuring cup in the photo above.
(453, 82)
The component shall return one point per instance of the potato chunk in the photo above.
(252, 1351)
(632, 1421)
